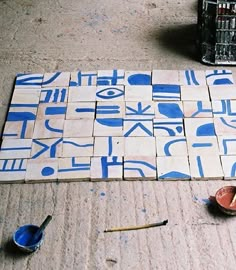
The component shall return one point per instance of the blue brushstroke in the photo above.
(224, 142)
(45, 148)
(84, 110)
(136, 169)
(80, 76)
(32, 81)
(26, 105)
(20, 116)
(167, 145)
(227, 124)
(55, 110)
(233, 170)
(202, 145)
(15, 148)
(58, 95)
(174, 175)
(109, 109)
(109, 80)
(206, 130)
(52, 129)
(200, 168)
(141, 162)
(78, 145)
(170, 110)
(47, 171)
(110, 122)
(57, 74)
(109, 146)
(105, 165)
(140, 110)
(166, 88)
(139, 79)
(200, 109)
(136, 126)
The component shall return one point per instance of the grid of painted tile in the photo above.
(116, 124)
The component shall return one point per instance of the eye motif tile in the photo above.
(109, 146)
(81, 110)
(52, 111)
(173, 168)
(138, 93)
(15, 148)
(138, 78)
(225, 125)
(165, 92)
(82, 93)
(56, 79)
(50, 128)
(192, 77)
(229, 167)
(140, 168)
(78, 128)
(219, 77)
(108, 127)
(146, 146)
(83, 78)
(197, 109)
(227, 144)
(54, 95)
(171, 109)
(222, 92)
(111, 77)
(110, 93)
(110, 109)
(74, 169)
(78, 147)
(169, 146)
(199, 127)
(139, 109)
(224, 108)
(12, 170)
(194, 93)
(165, 76)
(168, 127)
(200, 146)
(28, 80)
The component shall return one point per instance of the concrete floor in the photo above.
(39, 36)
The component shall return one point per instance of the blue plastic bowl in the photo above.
(23, 237)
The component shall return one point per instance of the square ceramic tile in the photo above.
(192, 77)
(140, 146)
(171, 109)
(50, 128)
(78, 147)
(51, 111)
(138, 77)
(25, 96)
(56, 79)
(222, 108)
(168, 127)
(194, 93)
(199, 127)
(205, 167)
(12, 170)
(74, 169)
(106, 168)
(138, 127)
(108, 127)
(110, 93)
(229, 167)
(109, 146)
(54, 94)
(46, 148)
(111, 77)
(140, 168)
(165, 92)
(41, 170)
(110, 109)
(22, 112)
(165, 76)
(86, 78)
(219, 77)
(225, 125)
(15, 148)
(82, 93)
(197, 109)
(78, 110)
(169, 146)
(28, 80)
(221, 92)
(139, 109)
(18, 129)
(78, 128)
(227, 144)
(200, 146)
(138, 93)
(173, 168)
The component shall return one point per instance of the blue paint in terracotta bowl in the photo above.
(24, 240)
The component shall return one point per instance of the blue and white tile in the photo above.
(140, 146)
(110, 93)
(78, 147)
(169, 146)
(12, 170)
(25, 97)
(41, 170)
(140, 168)
(138, 127)
(54, 94)
(165, 92)
(225, 125)
(205, 167)
(82, 93)
(138, 93)
(224, 108)
(192, 77)
(229, 167)
(139, 109)
(78, 128)
(199, 127)
(219, 77)
(80, 110)
(222, 92)
(108, 127)
(168, 127)
(227, 145)
(108, 146)
(194, 93)
(50, 128)
(56, 79)
(52, 111)
(202, 146)
(106, 168)
(15, 148)
(83, 78)
(18, 129)
(74, 169)
(110, 109)
(197, 109)
(111, 77)
(165, 76)
(138, 77)
(171, 109)
(173, 168)
(28, 80)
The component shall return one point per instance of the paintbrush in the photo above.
(119, 229)
(233, 201)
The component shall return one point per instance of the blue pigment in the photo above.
(25, 235)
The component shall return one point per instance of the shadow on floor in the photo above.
(11, 250)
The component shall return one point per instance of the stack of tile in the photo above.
(120, 125)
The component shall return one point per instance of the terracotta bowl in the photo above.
(224, 197)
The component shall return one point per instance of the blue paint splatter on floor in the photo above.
(102, 194)
(144, 210)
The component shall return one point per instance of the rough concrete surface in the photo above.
(39, 36)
